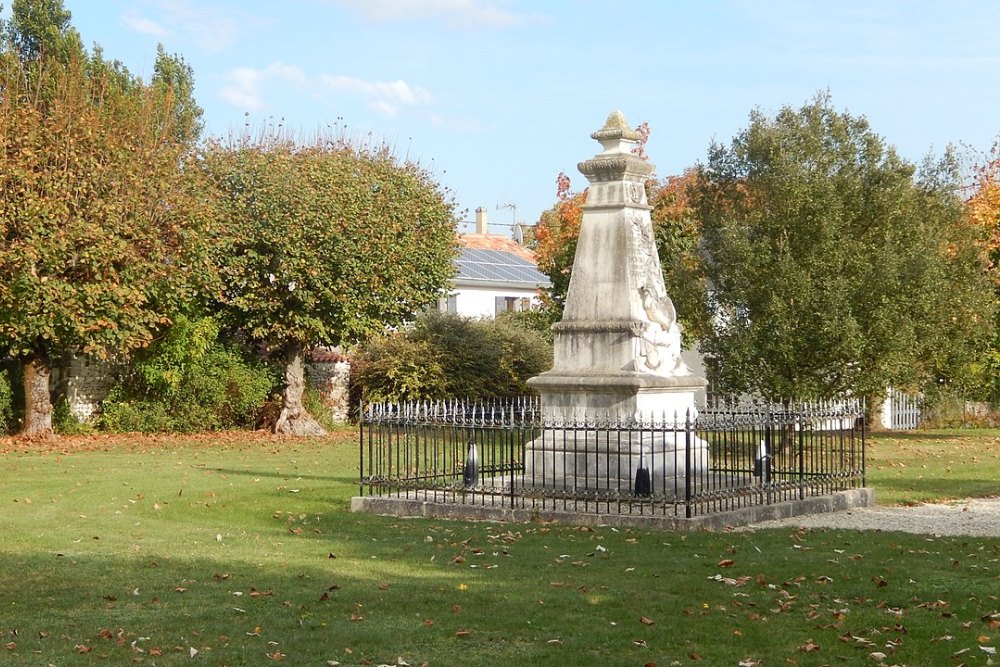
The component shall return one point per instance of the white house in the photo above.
(494, 274)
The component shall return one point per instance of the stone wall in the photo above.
(85, 383)
(329, 371)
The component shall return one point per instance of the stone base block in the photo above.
(602, 461)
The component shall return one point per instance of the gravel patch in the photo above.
(977, 517)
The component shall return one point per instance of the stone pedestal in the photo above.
(618, 347)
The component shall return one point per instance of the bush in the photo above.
(7, 421)
(187, 382)
(447, 356)
(64, 422)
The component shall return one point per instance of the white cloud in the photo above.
(385, 97)
(456, 13)
(245, 85)
(209, 27)
(132, 21)
(246, 88)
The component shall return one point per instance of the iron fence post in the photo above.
(687, 465)
(800, 424)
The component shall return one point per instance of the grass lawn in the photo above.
(239, 550)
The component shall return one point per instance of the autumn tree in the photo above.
(554, 241)
(324, 244)
(983, 211)
(834, 264)
(99, 221)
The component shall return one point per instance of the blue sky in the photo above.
(497, 97)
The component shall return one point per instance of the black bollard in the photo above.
(470, 475)
(643, 482)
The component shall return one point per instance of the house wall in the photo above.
(481, 301)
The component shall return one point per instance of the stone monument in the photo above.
(618, 346)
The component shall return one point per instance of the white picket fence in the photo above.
(901, 410)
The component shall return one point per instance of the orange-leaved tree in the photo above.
(554, 241)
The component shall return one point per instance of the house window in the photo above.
(448, 304)
(505, 303)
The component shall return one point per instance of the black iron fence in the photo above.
(727, 456)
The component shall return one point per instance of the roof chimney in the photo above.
(482, 221)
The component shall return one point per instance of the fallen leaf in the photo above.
(809, 647)
(645, 620)
(463, 633)
(728, 562)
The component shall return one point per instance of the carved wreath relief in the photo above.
(659, 340)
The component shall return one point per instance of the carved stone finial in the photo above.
(616, 127)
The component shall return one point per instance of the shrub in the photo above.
(6, 403)
(186, 382)
(64, 422)
(447, 356)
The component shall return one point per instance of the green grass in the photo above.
(928, 466)
(239, 550)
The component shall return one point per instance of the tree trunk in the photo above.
(37, 400)
(294, 420)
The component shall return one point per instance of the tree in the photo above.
(100, 222)
(41, 28)
(832, 267)
(173, 80)
(554, 241)
(325, 243)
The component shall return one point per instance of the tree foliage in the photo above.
(101, 210)
(41, 29)
(325, 243)
(554, 241)
(834, 266)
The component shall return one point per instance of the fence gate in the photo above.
(901, 410)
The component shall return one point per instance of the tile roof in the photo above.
(492, 242)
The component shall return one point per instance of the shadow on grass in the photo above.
(369, 590)
(273, 474)
(963, 434)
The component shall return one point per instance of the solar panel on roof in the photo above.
(497, 265)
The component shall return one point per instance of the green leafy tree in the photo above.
(100, 224)
(173, 79)
(326, 243)
(41, 29)
(834, 265)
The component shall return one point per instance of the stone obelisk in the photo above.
(618, 345)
